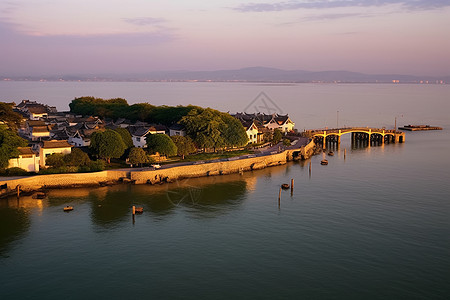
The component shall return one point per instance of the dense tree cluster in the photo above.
(9, 141)
(8, 116)
(185, 145)
(107, 144)
(119, 108)
(210, 128)
(76, 161)
(162, 144)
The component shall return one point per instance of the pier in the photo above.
(359, 135)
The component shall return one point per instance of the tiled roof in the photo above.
(25, 150)
(32, 123)
(36, 108)
(40, 129)
(55, 144)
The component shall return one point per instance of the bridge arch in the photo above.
(361, 133)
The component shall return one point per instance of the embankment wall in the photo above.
(155, 176)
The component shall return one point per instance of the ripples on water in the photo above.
(373, 226)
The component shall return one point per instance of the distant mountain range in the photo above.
(253, 74)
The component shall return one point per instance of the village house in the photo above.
(26, 160)
(138, 133)
(263, 123)
(284, 123)
(253, 133)
(177, 129)
(46, 148)
(34, 110)
(36, 130)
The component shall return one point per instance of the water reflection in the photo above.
(202, 197)
(15, 224)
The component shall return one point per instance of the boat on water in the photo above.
(324, 162)
(39, 195)
(68, 208)
(331, 153)
(285, 186)
(419, 127)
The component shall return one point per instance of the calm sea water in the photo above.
(375, 225)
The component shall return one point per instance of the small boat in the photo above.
(324, 162)
(39, 195)
(139, 210)
(331, 153)
(68, 208)
(285, 186)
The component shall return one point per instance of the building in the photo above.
(274, 121)
(177, 129)
(46, 148)
(139, 133)
(27, 160)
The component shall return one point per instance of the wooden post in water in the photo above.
(345, 152)
(279, 197)
(292, 186)
(309, 169)
(18, 191)
(134, 210)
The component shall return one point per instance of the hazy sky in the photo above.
(115, 36)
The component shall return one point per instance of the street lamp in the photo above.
(337, 119)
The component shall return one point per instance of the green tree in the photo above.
(277, 136)
(185, 145)
(8, 116)
(286, 142)
(55, 160)
(126, 137)
(233, 132)
(107, 144)
(210, 128)
(9, 142)
(111, 108)
(76, 158)
(204, 126)
(162, 144)
(137, 156)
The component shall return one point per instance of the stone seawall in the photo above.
(63, 180)
(155, 176)
(208, 169)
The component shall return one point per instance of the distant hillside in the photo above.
(253, 74)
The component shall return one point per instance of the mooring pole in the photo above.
(345, 152)
(279, 197)
(292, 187)
(18, 191)
(309, 169)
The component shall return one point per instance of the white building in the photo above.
(27, 160)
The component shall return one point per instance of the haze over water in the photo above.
(373, 226)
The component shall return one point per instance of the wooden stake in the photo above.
(279, 198)
(134, 210)
(309, 168)
(18, 191)
(345, 152)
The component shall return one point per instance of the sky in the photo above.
(62, 37)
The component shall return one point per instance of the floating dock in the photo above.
(419, 127)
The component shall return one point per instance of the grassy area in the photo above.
(212, 156)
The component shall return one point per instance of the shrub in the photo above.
(16, 172)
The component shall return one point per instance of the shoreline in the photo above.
(160, 176)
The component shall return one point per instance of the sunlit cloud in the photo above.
(10, 33)
(145, 21)
(324, 4)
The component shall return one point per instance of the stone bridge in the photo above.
(358, 134)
